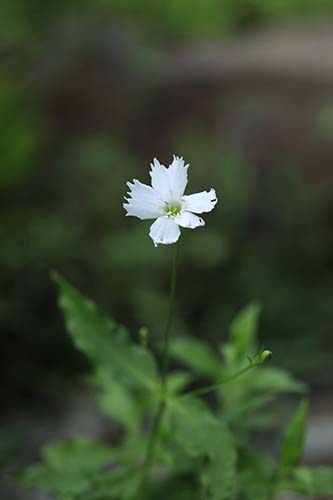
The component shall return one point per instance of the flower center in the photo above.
(173, 209)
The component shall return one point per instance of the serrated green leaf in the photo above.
(312, 481)
(201, 434)
(106, 344)
(293, 440)
(68, 468)
(197, 355)
(73, 471)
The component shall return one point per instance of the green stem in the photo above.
(172, 296)
(213, 387)
(152, 443)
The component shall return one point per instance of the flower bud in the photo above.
(265, 355)
(262, 357)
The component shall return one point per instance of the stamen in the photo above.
(173, 209)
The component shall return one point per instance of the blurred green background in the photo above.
(90, 92)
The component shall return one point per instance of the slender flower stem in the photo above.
(262, 356)
(166, 340)
(213, 387)
(152, 443)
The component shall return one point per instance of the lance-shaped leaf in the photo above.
(243, 333)
(293, 441)
(106, 344)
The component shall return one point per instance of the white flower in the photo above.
(165, 201)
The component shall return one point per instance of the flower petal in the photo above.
(177, 173)
(160, 180)
(169, 182)
(143, 201)
(200, 202)
(164, 230)
(189, 220)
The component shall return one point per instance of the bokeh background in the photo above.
(90, 92)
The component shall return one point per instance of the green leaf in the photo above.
(68, 468)
(245, 413)
(121, 484)
(293, 441)
(82, 453)
(197, 355)
(243, 331)
(74, 471)
(274, 380)
(177, 381)
(257, 475)
(117, 402)
(106, 344)
(312, 481)
(242, 344)
(201, 434)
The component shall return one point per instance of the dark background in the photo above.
(90, 92)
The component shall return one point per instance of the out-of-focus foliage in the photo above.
(20, 131)
(22, 21)
(79, 117)
(241, 399)
(201, 450)
(313, 482)
(293, 443)
(181, 19)
(67, 467)
(192, 19)
(68, 216)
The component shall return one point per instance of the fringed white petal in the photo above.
(165, 201)
(143, 201)
(177, 173)
(164, 231)
(189, 220)
(200, 202)
(169, 182)
(160, 180)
